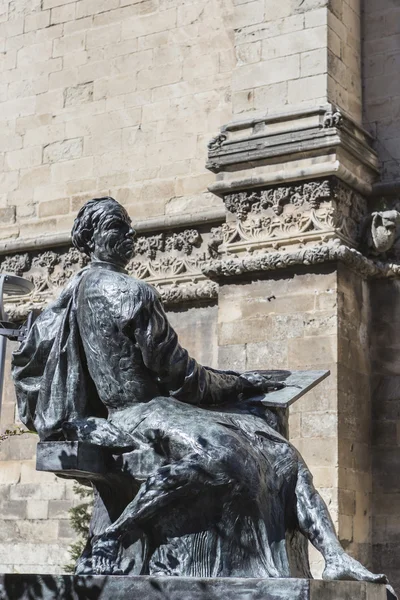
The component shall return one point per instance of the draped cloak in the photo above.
(49, 369)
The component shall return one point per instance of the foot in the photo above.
(104, 555)
(344, 567)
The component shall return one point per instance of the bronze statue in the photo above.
(225, 493)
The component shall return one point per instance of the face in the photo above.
(113, 238)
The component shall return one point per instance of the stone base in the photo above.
(69, 587)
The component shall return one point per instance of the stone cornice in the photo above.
(161, 223)
(292, 146)
(332, 251)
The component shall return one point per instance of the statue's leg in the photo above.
(316, 524)
(155, 494)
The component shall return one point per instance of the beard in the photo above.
(119, 249)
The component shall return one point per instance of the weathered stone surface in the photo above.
(46, 587)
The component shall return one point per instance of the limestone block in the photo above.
(65, 531)
(232, 357)
(72, 169)
(65, 150)
(266, 72)
(85, 8)
(267, 355)
(22, 107)
(103, 36)
(40, 531)
(270, 96)
(319, 425)
(248, 14)
(293, 43)
(44, 135)
(248, 53)
(13, 510)
(42, 491)
(312, 351)
(133, 62)
(37, 509)
(29, 474)
(307, 89)
(148, 24)
(20, 447)
(64, 13)
(318, 452)
(314, 62)
(74, 96)
(10, 472)
(54, 3)
(37, 21)
(59, 509)
(69, 43)
(316, 18)
(28, 553)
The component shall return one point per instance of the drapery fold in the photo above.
(49, 369)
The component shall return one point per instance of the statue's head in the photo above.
(103, 231)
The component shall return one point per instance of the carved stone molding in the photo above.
(291, 215)
(331, 251)
(169, 261)
(267, 228)
(297, 145)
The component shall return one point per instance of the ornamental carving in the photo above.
(170, 261)
(291, 214)
(169, 256)
(266, 229)
(333, 118)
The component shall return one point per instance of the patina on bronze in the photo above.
(219, 492)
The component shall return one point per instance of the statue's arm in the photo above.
(179, 375)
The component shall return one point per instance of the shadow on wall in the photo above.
(381, 83)
(385, 387)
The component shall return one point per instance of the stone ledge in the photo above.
(69, 587)
(310, 143)
(330, 252)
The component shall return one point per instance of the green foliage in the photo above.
(80, 516)
(12, 432)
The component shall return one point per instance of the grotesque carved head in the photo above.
(103, 231)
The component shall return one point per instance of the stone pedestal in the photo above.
(69, 587)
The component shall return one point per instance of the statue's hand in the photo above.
(341, 566)
(256, 382)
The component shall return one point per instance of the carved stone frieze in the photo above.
(331, 251)
(266, 228)
(170, 261)
(291, 215)
(168, 258)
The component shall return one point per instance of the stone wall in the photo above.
(291, 321)
(301, 54)
(354, 415)
(381, 83)
(385, 386)
(122, 97)
(115, 97)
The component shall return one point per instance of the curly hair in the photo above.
(93, 213)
